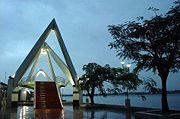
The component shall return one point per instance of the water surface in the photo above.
(152, 101)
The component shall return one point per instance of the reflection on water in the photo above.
(8, 113)
(49, 114)
(28, 112)
(107, 114)
(25, 112)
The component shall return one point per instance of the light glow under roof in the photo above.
(43, 51)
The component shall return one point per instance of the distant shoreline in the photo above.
(131, 93)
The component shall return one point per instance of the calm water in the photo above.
(152, 101)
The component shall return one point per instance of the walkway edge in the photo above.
(119, 107)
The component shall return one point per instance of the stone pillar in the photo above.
(77, 96)
(10, 89)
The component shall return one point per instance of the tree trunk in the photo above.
(127, 94)
(163, 73)
(92, 99)
(92, 94)
(164, 101)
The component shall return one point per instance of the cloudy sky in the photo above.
(82, 23)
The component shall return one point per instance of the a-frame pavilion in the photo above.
(32, 59)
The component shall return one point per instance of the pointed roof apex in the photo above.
(54, 19)
(53, 23)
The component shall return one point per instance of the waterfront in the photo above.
(152, 101)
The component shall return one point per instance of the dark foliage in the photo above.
(152, 44)
(94, 78)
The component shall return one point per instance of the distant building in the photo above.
(3, 86)
(3, 93)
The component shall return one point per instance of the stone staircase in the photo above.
(47, 96)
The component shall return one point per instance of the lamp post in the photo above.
(127, 100)
(122, 62)
(128, 66)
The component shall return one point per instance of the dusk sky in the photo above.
(83, 26)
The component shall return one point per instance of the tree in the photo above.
(150, 86)
(124, 79)
(151, 44)
(130, 82)
(94, 78)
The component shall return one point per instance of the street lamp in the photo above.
(127, 100)
(122, 62)
(128, 65)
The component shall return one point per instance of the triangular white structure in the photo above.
(37, 47)
(34, 54)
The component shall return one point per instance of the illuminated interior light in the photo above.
(24, 92)
(72, 82)
(41, 72)
(43, 51)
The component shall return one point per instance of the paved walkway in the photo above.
(69, 112)
(115, 107)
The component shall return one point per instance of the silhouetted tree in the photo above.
(124, 79)
(93, 79)
(152, 44)
(130, 82)
(150, 86)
